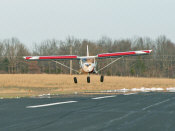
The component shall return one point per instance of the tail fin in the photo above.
(87, 51)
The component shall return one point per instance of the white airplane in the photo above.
(88, 63)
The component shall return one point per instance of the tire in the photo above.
(101, 78)
(75, 80)
(88, 79)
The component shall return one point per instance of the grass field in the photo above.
(19, 85)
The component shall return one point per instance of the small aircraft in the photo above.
(88, 63)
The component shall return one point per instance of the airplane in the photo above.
(88, 63)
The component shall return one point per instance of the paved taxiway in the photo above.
(132, 112)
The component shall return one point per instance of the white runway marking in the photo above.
(156, 104)
(96, 98)
(51, 104)
(129, 94)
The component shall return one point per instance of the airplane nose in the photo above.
(87, 67)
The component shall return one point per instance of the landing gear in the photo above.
(75, 80)
(88, 79)
(101, 78)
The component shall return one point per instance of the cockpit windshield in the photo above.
(85, 60)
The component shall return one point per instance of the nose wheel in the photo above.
(88, 79)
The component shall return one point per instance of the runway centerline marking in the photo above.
(96, 98)
(156, 104)
(51, 104)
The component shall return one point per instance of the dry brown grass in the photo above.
(12, 85)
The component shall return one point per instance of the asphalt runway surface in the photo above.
(132, 112)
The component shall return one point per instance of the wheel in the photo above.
(75, 80)
(101, 78)
(88, 79)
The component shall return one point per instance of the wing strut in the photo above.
(110, 64)
(66, 66)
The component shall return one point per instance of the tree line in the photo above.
(160, 63)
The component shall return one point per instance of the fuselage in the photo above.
(88, 64)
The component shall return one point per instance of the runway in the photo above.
(130, 112)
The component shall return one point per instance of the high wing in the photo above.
(75, 57)
(60, 57)
(128, 53)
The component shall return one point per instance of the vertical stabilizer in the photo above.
(87, 51)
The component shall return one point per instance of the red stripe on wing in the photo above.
(27, 58)
(147, 51)
(116, 54)
(57, 57)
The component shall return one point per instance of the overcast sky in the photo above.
(36, 20)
